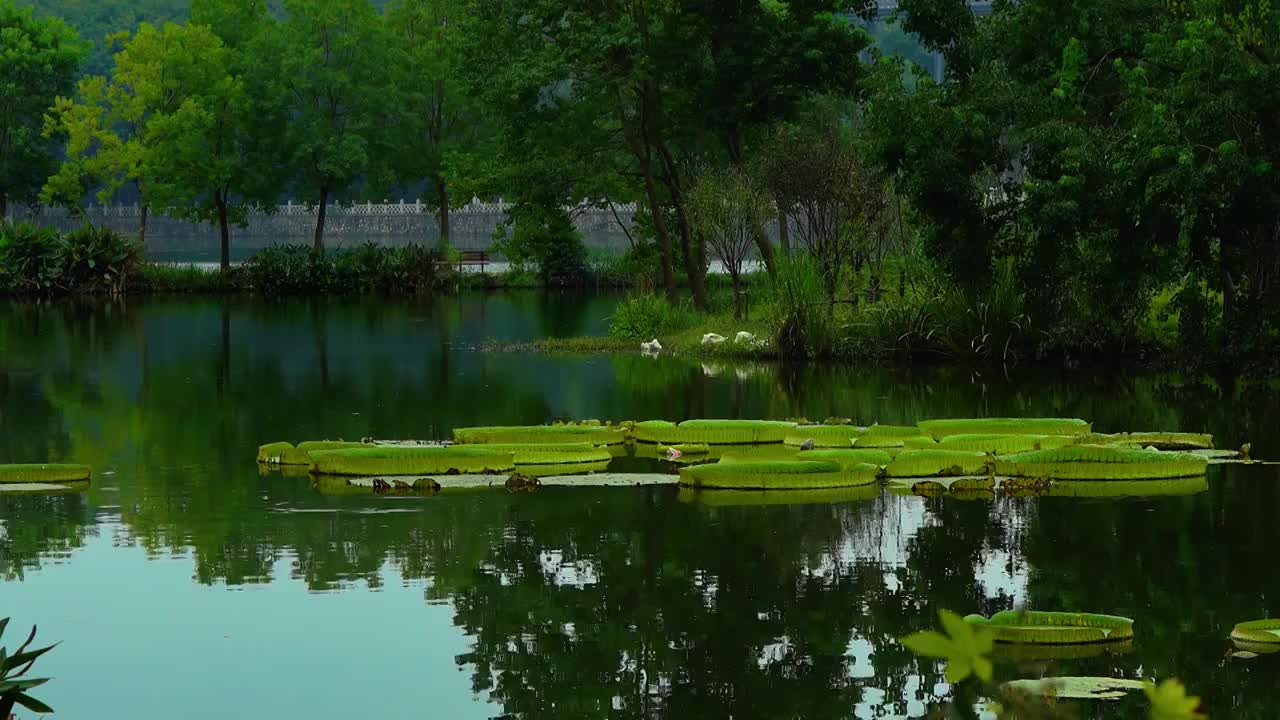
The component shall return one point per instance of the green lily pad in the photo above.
(1077, 688)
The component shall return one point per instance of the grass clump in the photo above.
(645, 316)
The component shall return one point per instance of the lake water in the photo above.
(184, 583)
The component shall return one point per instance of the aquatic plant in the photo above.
(1001, 444)
(1054, 628)
(835, 436)
(713, 432)
(887, 436)
(553, 453)
(965, 646)
(778, 475)
(969, 487)
(1258, 631)
(72, 487)
(1078, 688)
(685, 449)
(14, 682)
(940, 429)
(1158, 440)
(282, 453)
(536, 434)
(847, 457)
(1170, 701)
(934, 463)
(43, 473)
(1091, 462)
(751, 498)
(1127, 488)
(544, 470)
(411, 461)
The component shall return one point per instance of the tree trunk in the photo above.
(142, 226)
(659, 223)
(324, 205)
(766, 252)
(784, 232)
(224, 231)
(695, 259)
(442, 197)
(737, 296)
(4, 206)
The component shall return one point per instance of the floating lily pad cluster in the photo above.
(44, 479)
(960, 457)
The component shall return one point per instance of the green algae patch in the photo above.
(757, 498)
(826, 436)
(940, 429)
(1128, 488)
(849, 456)
(553, 453)
(1055, 628)
(713, 432)
(541, 434)
(43, 473)
(1265, 632)
(789, 475)
(936, 463)
(1092, 462)
(997, 444)
(393, 461)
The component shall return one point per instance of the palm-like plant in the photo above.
(14, 683)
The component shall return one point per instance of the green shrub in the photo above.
(645, 316)
(30, 258)
(546, 238)
(97, 259)
(290, 270)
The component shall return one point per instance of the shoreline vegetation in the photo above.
(1065, 191)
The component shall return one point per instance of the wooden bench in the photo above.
(473, 257)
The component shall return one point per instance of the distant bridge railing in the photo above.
(604, 225)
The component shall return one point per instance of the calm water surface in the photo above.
(186, 584)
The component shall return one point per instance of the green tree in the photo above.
(331, 58)
(39, 60)
(103, 150)
(437, 118)
(729, 208)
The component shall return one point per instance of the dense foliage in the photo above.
(1098, 176)
(39, 60)
(41, 261)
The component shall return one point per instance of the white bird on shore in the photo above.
(653, 347)
(744, 337)
(712, 339)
